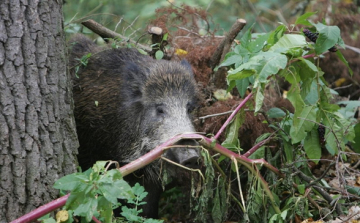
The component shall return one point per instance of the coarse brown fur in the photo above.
(126, 104)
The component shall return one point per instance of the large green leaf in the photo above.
(87, 208)
(304, 121)
(311, 95)
(242, 85)
(269, 63)
(328, 37)
(289, 41)
(233, 59)
(275, 113)
(295, 98)
(68, 182)
(312, 145)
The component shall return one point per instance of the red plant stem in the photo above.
(257, 146)
(154, 154)
(232, 116)
(249, 164)
(309, 56)
(43, 210)
(95, 220)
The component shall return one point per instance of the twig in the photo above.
(217, 114)
(238, 180)
(107, 33)
(322, 175)
(342, 87)
(357, 50)
(187, 168)
(320, 190)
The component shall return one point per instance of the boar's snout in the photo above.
(185, 154)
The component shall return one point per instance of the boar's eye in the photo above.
(189, 107)
(160, 110)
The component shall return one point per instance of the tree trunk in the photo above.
(38, 142)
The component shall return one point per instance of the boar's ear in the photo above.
(187, 65)
(134, 79)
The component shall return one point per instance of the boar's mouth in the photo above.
(185, 154)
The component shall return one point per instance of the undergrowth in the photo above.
(259, 185)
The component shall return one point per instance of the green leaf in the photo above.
(328, 37)
(308, 64)
(232, 138)
(105, 209)
(350, 105)
(242, 85)
(295, 97)
(113, 190)
(284, 214)
(68, 182)
(312, 146)
(275, 36)
(46, 218)
(356, 145)
(259, 153)
(131, 214)
(142, 51)
(87, 208)
(289, 153)
(301, 188)
(353, 190)
(159, 55)
(289, 41)
(291, 74)
(74, 200)
(240, 74)
(231, 60)
(303, 122)
(331, 143)
(312, 97)
(49, 220)
(245, 40)
(165, 37)
(259, 99)
(216, 210)
(258, 44)
(268, 63)
(302, 20)
(99, 166)
(139, 191)
(275, 113)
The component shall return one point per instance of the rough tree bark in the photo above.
(38, 142)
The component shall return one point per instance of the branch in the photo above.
(225, 45)
(43, 210)
(155, 154)
(106, 33)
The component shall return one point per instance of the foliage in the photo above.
(96, 191)
(259, 61)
